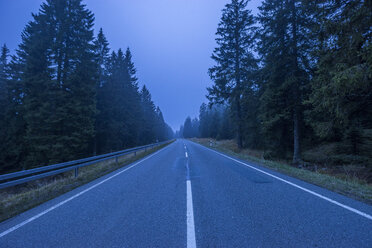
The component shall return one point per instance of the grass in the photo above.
(343, 183)
(16, 200)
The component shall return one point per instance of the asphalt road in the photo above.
(186, 195)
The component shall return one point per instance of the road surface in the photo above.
(186, 195)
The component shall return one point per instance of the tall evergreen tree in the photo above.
(341, 98)
(204, 121)
(115, 107)
(102, 56)
(133, 99)
(3, 89)
(148, 117)
(4, 105)
(285, 43)
(13, 147)
(235, 61)
(215, 122)
(162, 130)
(102, 50)
(187, 128)
(59, 78)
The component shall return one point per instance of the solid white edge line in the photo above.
(191, 242)
(74, 196)
(298, 186)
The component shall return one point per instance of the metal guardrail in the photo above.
(19, 177)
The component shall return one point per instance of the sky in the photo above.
(171, 42)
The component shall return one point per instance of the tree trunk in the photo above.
(296, 140)
(240, 126)
(296, 90)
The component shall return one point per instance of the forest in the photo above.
(65, 94)
(295, 81)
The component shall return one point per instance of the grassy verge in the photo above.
(16, 200)
(349, 186)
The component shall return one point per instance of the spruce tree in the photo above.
(133, 99)
(3, 89)
(187, 128)
(204, 121)
(4, 105)
(13, 147)
(114, 109)
(102, 57)
(341, 98)
(102, 50)
(285, 45)
(148, 117)
(59, 78)
(234, 59)
(161, 126)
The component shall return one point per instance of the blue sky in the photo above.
(171, 42)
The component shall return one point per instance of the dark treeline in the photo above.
(297, 76)
(214, 122)
(64, 96)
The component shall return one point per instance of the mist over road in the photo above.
(186, 195)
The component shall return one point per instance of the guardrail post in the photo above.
(76, 172)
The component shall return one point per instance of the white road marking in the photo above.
(73, 197)
(191, 242)
(299, 187)
(186, 154)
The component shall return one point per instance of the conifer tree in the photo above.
(114, 109)
(133, 98)
(148, 117)
(161, 126)
(285, 43)
(235, 63)
(204, 121)
(187, 128)
(59, 79)
(341, 98)
(4, 105)
(102, 56)
(3, 89)
(13, 149)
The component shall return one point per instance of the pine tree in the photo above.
(235, 61)
(133, 99)
(3, 89)
(162, 131)
(341, 98)
(102, 50)
(204, 120)
(227, 129)
(187, 128)
(59, 79)
(115, 112)
(13, 147)
(4, 106)
(285, 43)
(148, 117)
(102, 56)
